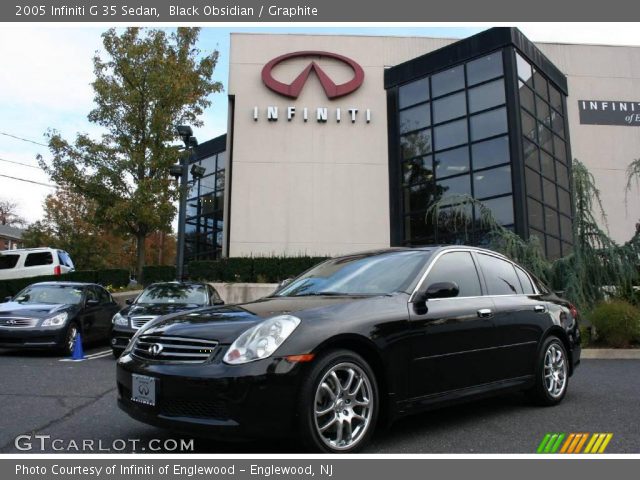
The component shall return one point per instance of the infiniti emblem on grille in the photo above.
(155, 349)
(11, 322)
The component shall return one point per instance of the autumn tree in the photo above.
(148, 82)
(9, 215)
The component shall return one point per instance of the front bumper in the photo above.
(120, 337)
(254, 400)
(35, 337)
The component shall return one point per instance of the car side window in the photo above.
(38, 258)
(8, 261)
(104, 296)
(457, 267)
(213, 295)
(500, 276)
(525, 281)
(92, 294)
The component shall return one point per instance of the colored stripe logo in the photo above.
(574, 443)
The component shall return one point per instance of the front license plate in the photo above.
(143, 389)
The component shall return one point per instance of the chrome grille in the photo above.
(18, 322)
(173, 349)
(137, 322)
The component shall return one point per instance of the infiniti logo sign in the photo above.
(332, 89)
(155, 349)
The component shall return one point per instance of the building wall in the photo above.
(596, 72)
(323, 188)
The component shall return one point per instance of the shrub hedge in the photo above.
(158, 273)
(617, 323)
(114, 277)
(251, 269)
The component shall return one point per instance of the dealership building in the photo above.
(338, 144)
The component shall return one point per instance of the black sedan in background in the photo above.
(356, 340)
(156, 300)
(51, 314)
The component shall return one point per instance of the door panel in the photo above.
(452, 346)
(452, 336)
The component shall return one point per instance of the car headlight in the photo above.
(120, 320)
(262, 340)
(56, 321)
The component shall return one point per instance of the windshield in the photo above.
(54, 294)
(172, 293)
(367, 274)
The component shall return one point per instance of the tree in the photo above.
(8, 215)
(149, 83)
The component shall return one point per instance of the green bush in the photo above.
(251, 269)
(158, 273)
(616, 322)
(116, 277)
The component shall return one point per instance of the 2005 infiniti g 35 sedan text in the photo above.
(355, 341)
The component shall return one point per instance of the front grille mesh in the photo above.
(18, 322)
(173, 349)
(138, 322)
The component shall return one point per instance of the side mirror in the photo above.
(92, 302)
(284, 283)
(129, 301)
(218, 302)
(442, 290)
(7, 299)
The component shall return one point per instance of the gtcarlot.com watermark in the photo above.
(45, 443)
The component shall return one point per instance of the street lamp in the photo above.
(181, 171)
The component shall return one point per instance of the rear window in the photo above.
(65, 259)
(8, 261)
(38, 258)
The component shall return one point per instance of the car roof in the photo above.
(68, 284)
(34, 249)
(182, 284)
(425, 248)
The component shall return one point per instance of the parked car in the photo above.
(370, 336)
(156, 300)
(51, 315)
(33, 262)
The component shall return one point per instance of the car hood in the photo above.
(226, 323)
(33, 310)
(156, 310)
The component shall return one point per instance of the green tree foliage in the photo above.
(596, 269)
(148, 82)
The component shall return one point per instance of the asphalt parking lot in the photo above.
(75, 402)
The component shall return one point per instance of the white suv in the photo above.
(33, 262)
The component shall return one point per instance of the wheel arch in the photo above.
(559, 332)
(370, 353)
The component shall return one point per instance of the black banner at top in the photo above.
(253, 11)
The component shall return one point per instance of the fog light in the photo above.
(114, 341)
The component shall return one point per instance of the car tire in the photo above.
(552, 373)
(338, 406)
(69, 339)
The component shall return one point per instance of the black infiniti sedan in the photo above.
(156, 300)
(355, 341)
(50, 315)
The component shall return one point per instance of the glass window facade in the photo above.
(491, 126)
(463, 128)
(205, 205)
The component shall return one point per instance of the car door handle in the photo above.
(485, 312)
(539, 309)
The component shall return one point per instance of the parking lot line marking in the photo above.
(93, 356)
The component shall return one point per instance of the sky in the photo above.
(45, 77)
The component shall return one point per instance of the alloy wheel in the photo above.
(71, 338)
(555, 370)
(343, 406)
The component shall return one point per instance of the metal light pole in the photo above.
(181, 171)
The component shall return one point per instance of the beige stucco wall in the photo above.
(311, 188)
(322, 189)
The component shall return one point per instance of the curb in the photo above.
(610, 353)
